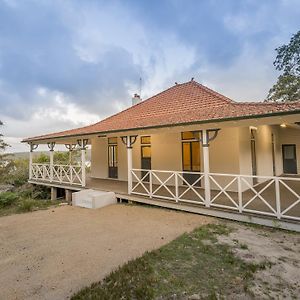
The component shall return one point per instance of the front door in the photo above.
(289, 159)
(191, 160)
(112, 161)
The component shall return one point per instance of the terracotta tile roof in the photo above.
(189, 102)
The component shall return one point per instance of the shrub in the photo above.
(7, 199)
(27, 205)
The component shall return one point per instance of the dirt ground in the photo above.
(278, 249)
(53, 253)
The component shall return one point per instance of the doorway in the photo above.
(289, 159)
(190, 157)
(145, 156)
(112, 158)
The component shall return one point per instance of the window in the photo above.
(146, 140)
(190, 135)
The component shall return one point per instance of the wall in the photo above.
(167, 154)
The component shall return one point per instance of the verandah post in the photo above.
(83, 144)
(51, 147)
(83, 165)
(205, 145)
(32, 148)
(129, 163)
(30, 163)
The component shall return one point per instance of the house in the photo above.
(189, 148)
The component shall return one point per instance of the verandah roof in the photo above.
(186, 103)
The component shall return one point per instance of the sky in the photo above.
(69, 63)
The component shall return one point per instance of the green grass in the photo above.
(194, 263)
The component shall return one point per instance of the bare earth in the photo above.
(281, 280)
(53, 253)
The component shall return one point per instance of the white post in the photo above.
(277, 197)
(51, 164)
(129, 164)
(83, 166)
(206, 167)
(30, 164)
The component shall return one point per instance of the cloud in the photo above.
(64, 64)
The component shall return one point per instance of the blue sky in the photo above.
(64, 64)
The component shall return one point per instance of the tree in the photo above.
(287, 87)
(3, 145)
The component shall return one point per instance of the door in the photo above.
(289, 159)
(146, 161)
(112, 161)
(191, 160)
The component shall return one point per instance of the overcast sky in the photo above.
(64, 64)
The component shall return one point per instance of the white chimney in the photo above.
(136, 99)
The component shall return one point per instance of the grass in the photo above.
(13, 203)
(194, 263)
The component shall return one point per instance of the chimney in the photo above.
(136, 99)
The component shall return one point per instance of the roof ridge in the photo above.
(266, 103)
(213, 92)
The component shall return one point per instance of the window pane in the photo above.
(196, 156)
(145, 140)
(186, 156)
(146, 152)
(289, 152)
(113, 140)
(190, 135)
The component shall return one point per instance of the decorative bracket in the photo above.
(33, 146)
(51, 146)
(208, 137)
(70, 147)
(82, 143)
(132, 140)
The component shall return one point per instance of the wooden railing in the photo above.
(273, 196)
(68, 174)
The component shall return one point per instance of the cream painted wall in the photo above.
(230, 152)
(99, 158)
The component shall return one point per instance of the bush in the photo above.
(7, 199)
(27, 205)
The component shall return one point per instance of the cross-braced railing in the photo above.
(67, 174)
(272, 196)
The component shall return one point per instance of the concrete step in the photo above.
(93, 198)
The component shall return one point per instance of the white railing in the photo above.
(68, 174)
(273, 196)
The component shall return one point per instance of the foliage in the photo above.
(3, 145)
(27, 205)
(288, 56)
(7, 199)
(194, 263)
(41, 159)
(25, 199)
(15, 171)
(287, 87)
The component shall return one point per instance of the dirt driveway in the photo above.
(53, 253)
